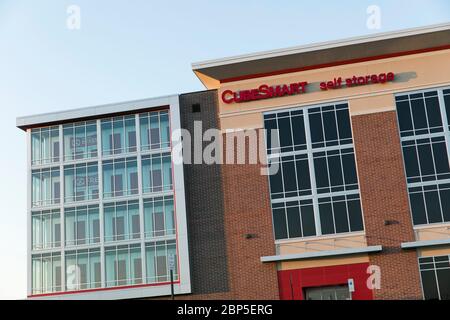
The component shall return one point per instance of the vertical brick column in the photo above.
(385, 203)
(248, 212)
(204, 206)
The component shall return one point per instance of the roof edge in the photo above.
(24, 122)
(319, 46)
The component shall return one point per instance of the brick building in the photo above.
(359, 207)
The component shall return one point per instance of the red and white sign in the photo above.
(338, 83)
(265, 91)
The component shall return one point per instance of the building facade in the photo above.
(359, 207)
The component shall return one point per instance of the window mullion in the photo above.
(312, 175)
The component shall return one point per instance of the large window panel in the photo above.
(435, 274)
(417, 203)
(120, 177)
(118, 135)
(82, 225)
(293, 177)
(154, 130)
(45, 145)
(280, 223)
(46, 229)
(159, 217)
(340, 214)
(122, 221)
(291, 135)
(426, 159)
(83, 269)
(419, 113)
(299, 201)
(430, 203)
(425, 144)
(335, 170)
(157, 261)
(81, 182)
(45, 187)
(156, 173)
(330, 126)
(80, 140)
(123, 265)
(293, 219)
(46, 273)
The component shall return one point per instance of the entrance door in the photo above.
(328, 293)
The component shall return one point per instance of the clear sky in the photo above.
(128, 50)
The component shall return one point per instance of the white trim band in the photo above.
(425, 243)
(320, 254)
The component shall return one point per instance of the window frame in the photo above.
(127, 224)
(311, 149)
(433, 266)
(86, 154)
(52, 159)
(445, 133)
(89, 238)
(128, 169)
(90, 252)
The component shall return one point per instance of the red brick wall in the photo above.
(384, 197)
(248, 211)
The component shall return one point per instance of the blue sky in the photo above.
(128, 50)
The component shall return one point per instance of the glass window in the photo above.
(328, 293)
(426, 159)
(46, 229)
(292, 179)
(293, 219)
(340, 214)
(123, 265)
(154, 130)
(330, 125)
(435, 274)
(159, 217)
(157, 261)
(80, 140)
(45, 145)
(156, 173)
(335, 170)
(45, 187)
(426, 155)
(81, 182)
(326, 149)
(430, 203)
(120, 177)
(118, 135)
(291, 131)
(82, 225)
(122, 221)
(46, 273)
(419, 113)
(83, 269)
